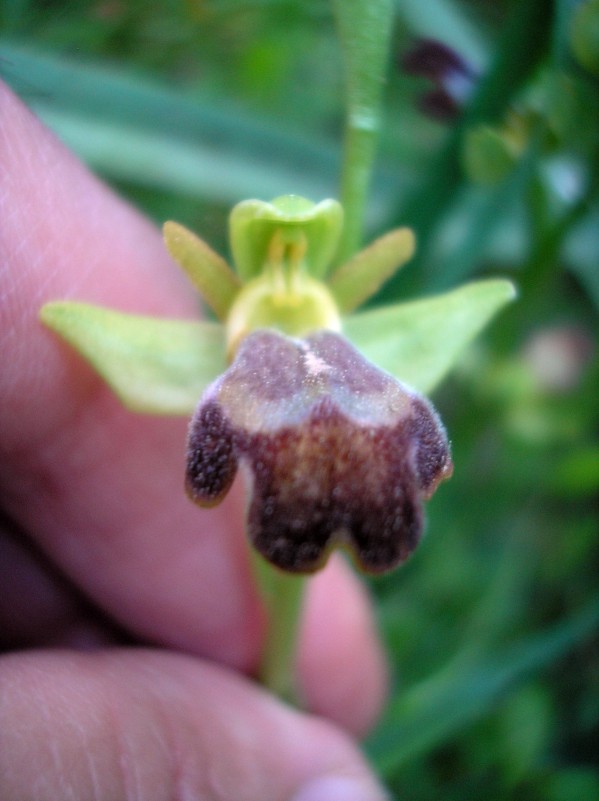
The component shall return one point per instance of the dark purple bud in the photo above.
(338, 452)
(438, 105)
(453, 77)
(432, 59)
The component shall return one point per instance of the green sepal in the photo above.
(420, 341)
(209, 272)
(364, 274)
(253, 223)
(154, 365)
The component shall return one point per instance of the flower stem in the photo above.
(282, 594)
(364, 32)
(355, 177)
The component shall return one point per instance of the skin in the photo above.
(129, 625)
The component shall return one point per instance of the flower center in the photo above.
(284, 296)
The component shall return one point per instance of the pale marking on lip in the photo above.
(315, 365)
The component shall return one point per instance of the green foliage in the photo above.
(465, 689)
(190, 108)
(585, 35)
(488, 155)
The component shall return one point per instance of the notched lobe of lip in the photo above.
(339, 452)
(211, 459)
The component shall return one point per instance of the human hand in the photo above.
(100, 548)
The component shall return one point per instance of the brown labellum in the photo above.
(339, 452)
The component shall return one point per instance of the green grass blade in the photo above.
(429, 713)
(136, 129)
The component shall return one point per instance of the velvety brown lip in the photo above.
(339, 452)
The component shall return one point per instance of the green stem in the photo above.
(355, 178)
(282, 594)
(364, 32)
(364, 29)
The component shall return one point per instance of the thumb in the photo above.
(151, 725)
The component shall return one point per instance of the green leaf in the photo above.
(136, 128)
(210, 273)
(154, 365)
(420, 341)
(363, 275)
(585, 35)
(488, 154)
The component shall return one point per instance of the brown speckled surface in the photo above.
(339, 452)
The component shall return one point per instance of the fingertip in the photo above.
(153, 725)
(100, 489)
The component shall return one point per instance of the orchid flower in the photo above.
(321, 405)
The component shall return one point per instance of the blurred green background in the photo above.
(190, 106)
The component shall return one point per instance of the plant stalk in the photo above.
(282, 595)
(365, 33)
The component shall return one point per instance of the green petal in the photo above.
(154, 365)
(253, 223)
(363, 275)
(419, 342)
(210, 273)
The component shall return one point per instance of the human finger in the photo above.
(99, 488)
(152, 726)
